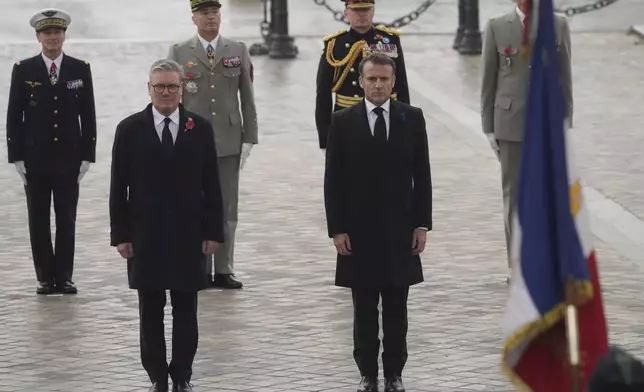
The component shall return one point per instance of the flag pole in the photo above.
(572, 332)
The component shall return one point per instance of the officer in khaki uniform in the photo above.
(504, 89)
(338, 67)
(218, 74)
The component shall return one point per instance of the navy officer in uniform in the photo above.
(343, 51)
(51, 140)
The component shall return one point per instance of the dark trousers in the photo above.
(366, 330)
(185, 334)
(53, 263)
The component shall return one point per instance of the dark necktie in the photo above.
(166, 135)
(380, 130)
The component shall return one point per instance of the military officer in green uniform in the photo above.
(218, 81)
(343, 51)
(51, 140)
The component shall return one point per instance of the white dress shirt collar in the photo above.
(158, 117)
(371, 106)
(372, 116)
(521, 14)
(57, 61)
(206, 43)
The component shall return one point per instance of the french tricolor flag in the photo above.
(552, 243)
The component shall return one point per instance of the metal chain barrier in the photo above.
(265, 25)
(582, 9)
(397, 23)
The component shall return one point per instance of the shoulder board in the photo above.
(388, 30)
(336, 34)
(18, 62)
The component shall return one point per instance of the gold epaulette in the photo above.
(336, 34)
(388, 30)
(86, 62)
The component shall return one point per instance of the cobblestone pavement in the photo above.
(149, 19)
(290, 329)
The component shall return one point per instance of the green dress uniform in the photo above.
(338, 71)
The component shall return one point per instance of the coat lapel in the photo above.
(515, 31)
(200, 52)
(64, 70)
(396, 121)
(220, 50)
(150, 127)
(363, 120)
(43, 67)
(182, 124)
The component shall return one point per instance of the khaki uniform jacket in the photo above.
(215, 93)
(506, 76)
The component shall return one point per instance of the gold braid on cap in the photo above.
(51, 22)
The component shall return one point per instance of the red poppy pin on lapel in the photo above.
(189, 124)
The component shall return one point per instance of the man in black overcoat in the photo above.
(378, 199)
(51, 140)
(166, 216)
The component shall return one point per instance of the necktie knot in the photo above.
(378, 110)
(167, 121)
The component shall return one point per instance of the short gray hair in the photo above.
(166, 65)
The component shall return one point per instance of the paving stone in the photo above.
(290, 328)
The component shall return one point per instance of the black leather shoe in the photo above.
(227, 281)
(45, 288)
(182, 386)
(66, 287)
(394, 384)
(368, 384)
(159, 387)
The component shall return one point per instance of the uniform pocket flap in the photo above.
(231, 72)
(503, 103)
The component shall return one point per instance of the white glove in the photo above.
(245, 153)
(84, 167)
(493, 143)
(22, 170)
